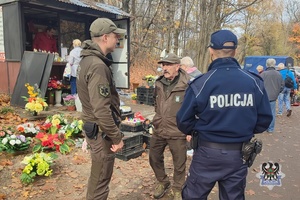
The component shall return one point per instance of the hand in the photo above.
(188, 138)
(117, 147)
(84, 146)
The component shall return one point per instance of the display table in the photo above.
(58, 69)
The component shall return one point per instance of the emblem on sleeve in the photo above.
(104, 90)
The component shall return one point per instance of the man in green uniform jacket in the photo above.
(100, 105)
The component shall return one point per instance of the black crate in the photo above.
(150, 101)
(146, 139)
(132, 154)
(128, 128)
(128, 115)
(132, 142)
(141, 102)
(142, 98)
(145, 91)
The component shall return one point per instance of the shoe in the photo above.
(160, 190)
(289, 113)
(177, 196)
(174, 195)
(269, 131)
(279, 114)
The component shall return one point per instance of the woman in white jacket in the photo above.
(74, 59)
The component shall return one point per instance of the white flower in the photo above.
(32, 130)
(18, 142)
(61, 131)
(13, 136)
(12, 142)
(27, 159)
(4, 141)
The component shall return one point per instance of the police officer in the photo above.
(226, 106)
(100, 104)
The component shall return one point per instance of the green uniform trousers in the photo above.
(101, 170)
(156, 157)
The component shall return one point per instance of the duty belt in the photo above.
(224, 146)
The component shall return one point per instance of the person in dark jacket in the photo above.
(274, 85)
(100, 104)
(284, 96)
(169, 93)
(226, 107)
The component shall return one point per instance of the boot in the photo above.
(160, 190)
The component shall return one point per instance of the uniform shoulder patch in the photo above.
(104, 90)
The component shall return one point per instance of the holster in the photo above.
(194, 140)
(91, 130)
(250, 150)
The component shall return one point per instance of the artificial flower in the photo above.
(13, 143)
(35, 102)
(37, 164)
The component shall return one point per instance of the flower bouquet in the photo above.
(37, 164)
(150, 79)
(13, 143)
(134, 96)
(58, 141)
(28, 129)
(35, 102)
(73, 129)
(54, 84)
(54, 123)
(69, 100)
(5, 131)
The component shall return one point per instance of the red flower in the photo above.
(40, 135)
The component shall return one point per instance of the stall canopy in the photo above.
(22, 19)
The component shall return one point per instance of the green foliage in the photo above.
(6, 109)
(37, 148)
(27, 178)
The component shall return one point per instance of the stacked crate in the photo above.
(145, 95)
(133, 146)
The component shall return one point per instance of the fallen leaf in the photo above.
(6, 162)
(250, 192)
(79, 186)
(25, 194)
(73, 174)
(275, 195)
(2, 196)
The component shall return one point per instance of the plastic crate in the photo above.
(150, 101)
(128, 128)
(142, 98)
(145, 91)
(132, 154)
(146, 139)
(128, 115)
(132, 142)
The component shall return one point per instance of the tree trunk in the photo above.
(178, 28)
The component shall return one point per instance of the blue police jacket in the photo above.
(225, 105)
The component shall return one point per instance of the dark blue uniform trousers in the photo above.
(211, 165)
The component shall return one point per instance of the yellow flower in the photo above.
(28, 168)
(48, 173)
(40, 171)
(55, 122)
(30, 106)
(38, 107)
(80, 123)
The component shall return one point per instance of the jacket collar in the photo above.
(223, 62)
(270, 68)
